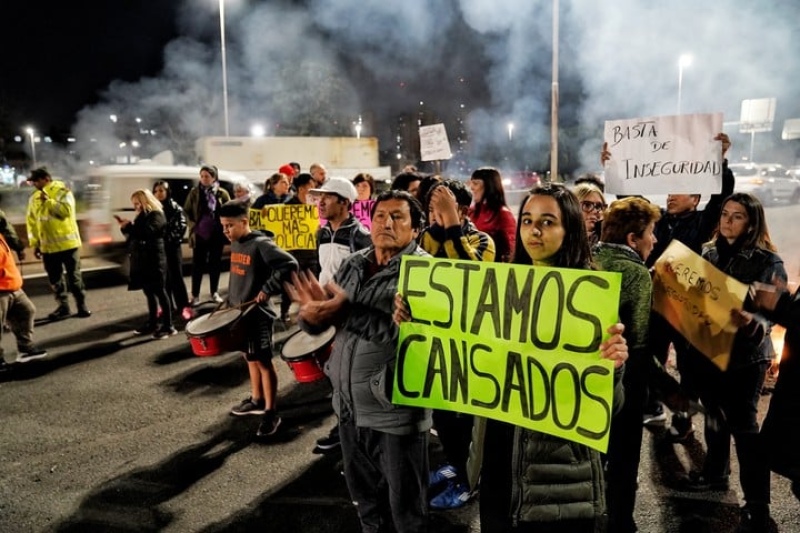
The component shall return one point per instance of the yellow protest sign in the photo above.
(511, 342)
(294, 226)
(696, 298)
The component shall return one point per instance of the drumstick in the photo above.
(243, 304)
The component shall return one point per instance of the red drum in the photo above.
(306, 354)
(214, 333)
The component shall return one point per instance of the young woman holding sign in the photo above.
(742, 249)
(532, 481)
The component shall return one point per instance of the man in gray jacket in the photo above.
(384, 446)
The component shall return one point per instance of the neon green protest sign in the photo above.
(511, 342)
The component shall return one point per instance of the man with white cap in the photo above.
(341, 235)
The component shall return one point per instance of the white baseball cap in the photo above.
(338, 186)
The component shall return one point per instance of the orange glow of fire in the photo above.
(777, 335)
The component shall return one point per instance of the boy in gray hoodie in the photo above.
(258, 270)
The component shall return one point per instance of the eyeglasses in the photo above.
(588, 207)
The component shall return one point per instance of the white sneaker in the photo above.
(194, 301)
(217, 298)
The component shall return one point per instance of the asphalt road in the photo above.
(115, 433)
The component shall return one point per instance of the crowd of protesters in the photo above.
(528, 480)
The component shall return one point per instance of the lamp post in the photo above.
(510, 126)
(684, 61)
(224, 65)
(358, 127)
(31, 134)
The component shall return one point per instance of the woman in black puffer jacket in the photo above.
(173, 238)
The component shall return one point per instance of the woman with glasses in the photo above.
(592, 206)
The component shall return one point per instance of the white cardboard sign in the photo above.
(433, 143)
(664, 155)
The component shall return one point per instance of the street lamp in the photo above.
(358, 126)
(510, 130)
(258, 130)
(31, 133)
(684, 61)
(224, 66)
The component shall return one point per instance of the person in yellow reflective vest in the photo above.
(53, 234)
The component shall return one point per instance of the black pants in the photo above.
(55, 264)
(624, 449)
(387, 476)
(661, 335)
(207, 257)
(176, 288)
(731, 400)
(157, 296)
(455, 434)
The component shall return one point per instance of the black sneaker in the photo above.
(329, 442)
(3, 365)
(249, 407)
(145, 329)
(654, 418)
(269, 425)
(755, 519)
(83, 312)
(681, 429)
(161, 333)
(697, 482)
(62, 311)
(30, 354)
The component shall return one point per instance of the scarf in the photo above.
(211, 198)
(727, 252)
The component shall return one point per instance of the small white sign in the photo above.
(757, 116)
(433, 143)
(791, 129)
(664, 155)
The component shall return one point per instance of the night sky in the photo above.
(58, 57)
(67, 65)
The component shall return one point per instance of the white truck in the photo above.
(259, 157)
(109, 189)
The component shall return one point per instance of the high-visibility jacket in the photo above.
(10, 277)
(51, 221)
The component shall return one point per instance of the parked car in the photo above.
(770, 183)
(519, 180)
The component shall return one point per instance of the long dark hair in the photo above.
(757, 235)
(494, 196)
(164, 185)
(574, 251)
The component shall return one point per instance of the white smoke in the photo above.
(617, 60)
